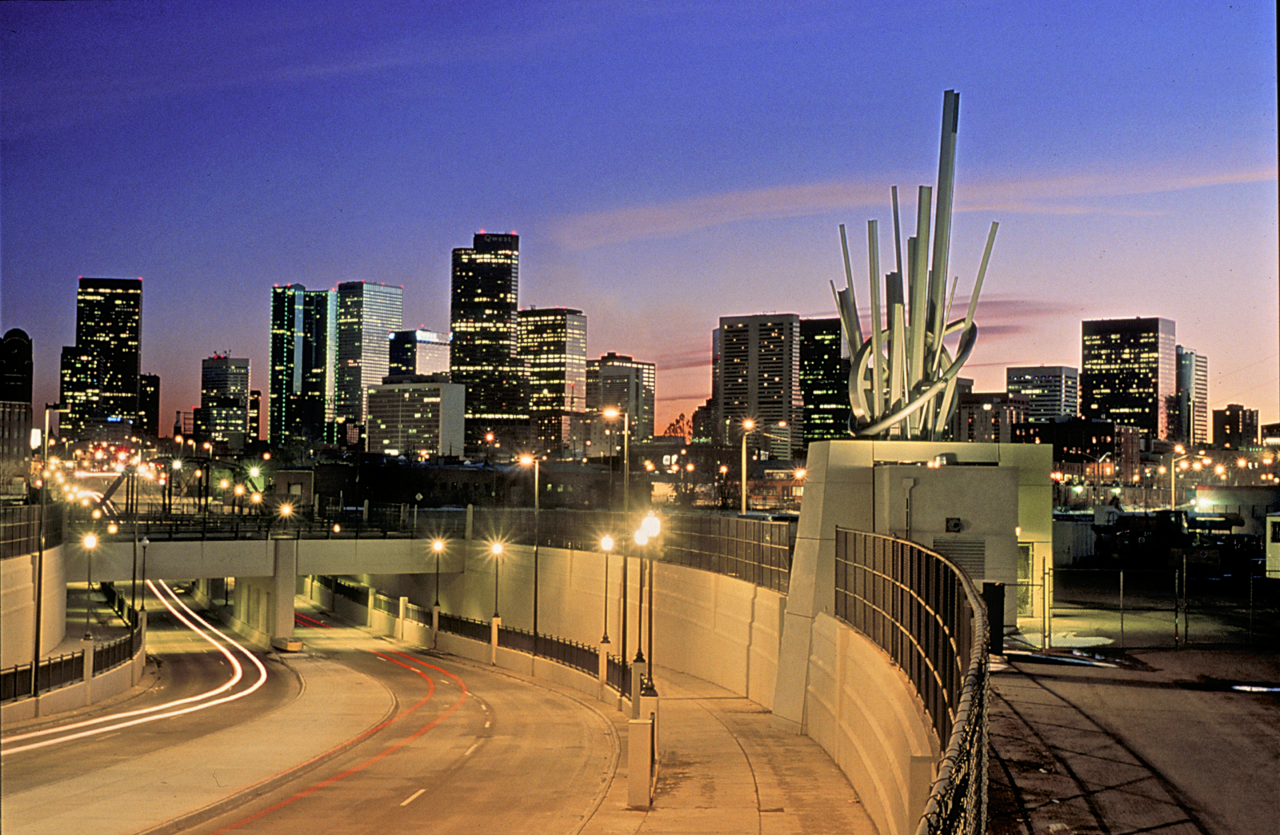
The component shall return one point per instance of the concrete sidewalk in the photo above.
(1161, 740)
(724, 768)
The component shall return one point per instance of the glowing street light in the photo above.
(612, 413)
(748, 426)
(496, 550)
(606, 545)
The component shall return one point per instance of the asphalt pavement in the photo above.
(1169, 741)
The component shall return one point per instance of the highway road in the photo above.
(353, 735)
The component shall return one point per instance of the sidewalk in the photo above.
(723, 767)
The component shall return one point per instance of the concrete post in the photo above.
(404, 613)
(639, 763)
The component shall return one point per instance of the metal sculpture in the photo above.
(902, 379)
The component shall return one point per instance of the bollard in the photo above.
(639, 763)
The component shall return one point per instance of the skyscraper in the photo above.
(824, 380)
(15, 396)
(224, 400)
(1054, 390)
(148, 406)
(1128, 369)
(303, 363)
(553, 345)
(1192, 397)
(623, 382)
(100, 373)
(760, 379)
(367, 312)
(417, 352)
(483, 310)
(1235, 427)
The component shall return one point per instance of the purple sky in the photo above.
(665, 163)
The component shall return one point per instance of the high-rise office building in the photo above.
(15, 397)
(100, 373)
(367, 312)
(417, 352)
(224, 400)
(303, 363)
(1235, 427)
(988, 417)
(824, 380)
(760, 379)
(485, 356)
(553, 345)
(1054, 390)
(1192, 398)
(1128, 371)
(416, 418)
(624, 383)
(148, 406)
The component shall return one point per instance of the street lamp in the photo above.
(438, 547)
(748, 425)
(606, 545)
(90, 542)
(527, 461)
(650, 527)
(612, 413)
(496, 550)
(144, 543)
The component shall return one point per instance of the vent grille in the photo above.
(969, 552)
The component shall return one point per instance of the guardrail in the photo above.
(927, 614)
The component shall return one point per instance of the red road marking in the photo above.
(375, 758)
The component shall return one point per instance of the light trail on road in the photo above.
(200, 701)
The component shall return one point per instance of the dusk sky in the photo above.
(665, 164)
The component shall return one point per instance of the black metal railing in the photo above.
(926, 613)
(476, 630)
(754, 550)
(354, 592)
(618, 674)
(113, 654)
(52, 673)
(386, 604)
(20, 529)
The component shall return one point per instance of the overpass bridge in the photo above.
(879, 655)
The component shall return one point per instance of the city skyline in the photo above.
(664, 167)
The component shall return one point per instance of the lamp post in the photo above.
(612, 413)
(44, 493)
(1179, 453)
(526, 461)
(438, 547)
(144, 543)
(90, 542)
(496, 550)
(747, 426)
(606, 545)
(650, 527)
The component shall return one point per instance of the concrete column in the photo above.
(284, 581)
(404, 613)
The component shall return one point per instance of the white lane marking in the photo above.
(413, 797)
(472, 748)
(488, 723)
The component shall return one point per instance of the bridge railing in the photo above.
(20, 529)
(926, 613)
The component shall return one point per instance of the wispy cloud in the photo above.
(1060, 196)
